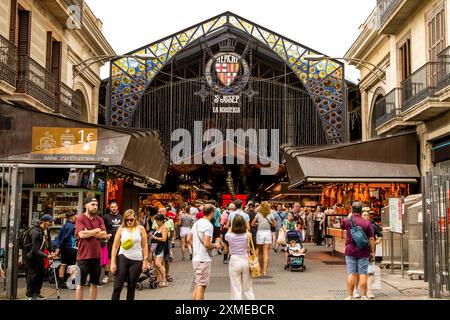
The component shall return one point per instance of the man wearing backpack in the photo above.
(34, 244)
(359, 249)
(66, 245)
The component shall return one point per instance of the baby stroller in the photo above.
(295, 261)
(151, 276)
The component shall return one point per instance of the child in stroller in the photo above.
(295, 253)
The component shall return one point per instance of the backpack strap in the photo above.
(353, 224)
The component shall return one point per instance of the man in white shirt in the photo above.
(238, 204)
(200, 238)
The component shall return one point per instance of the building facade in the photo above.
(409, 41)
(42, 41)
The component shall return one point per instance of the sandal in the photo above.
(170, 279)
(163, 284)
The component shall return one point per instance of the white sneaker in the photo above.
(356, 295)
(364, 298)
(105, 279)
(370, 295)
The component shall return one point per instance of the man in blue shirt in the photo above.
(238, 204)
(66, 245)
(279, 216)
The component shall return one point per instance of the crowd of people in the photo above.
(131, 244)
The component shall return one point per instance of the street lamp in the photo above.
(361, 62)
(83, 65)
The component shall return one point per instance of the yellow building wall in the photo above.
(76, 47)
(5, 9)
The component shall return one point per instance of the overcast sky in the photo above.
(328, 26)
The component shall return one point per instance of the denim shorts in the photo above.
(357, 265)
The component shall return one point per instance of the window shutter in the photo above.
(56, 59)
(48, 58)
(13, 22)
(24, 33)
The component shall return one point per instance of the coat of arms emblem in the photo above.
(227, 68)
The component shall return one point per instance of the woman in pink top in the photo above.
(238, 268)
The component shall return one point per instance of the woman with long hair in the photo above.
(240, 278)
(129, 255)
(186, 221)
(159, 245)
(265, 221)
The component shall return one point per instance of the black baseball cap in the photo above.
(89, 200)
(71, 213)
(47, 218)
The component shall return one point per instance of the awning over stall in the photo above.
(29, 136)
(389, 160)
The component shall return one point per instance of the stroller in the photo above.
(151, 276)
(295, 262)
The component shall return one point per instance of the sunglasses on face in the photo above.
(129, 220)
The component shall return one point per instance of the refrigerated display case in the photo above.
(58, 202)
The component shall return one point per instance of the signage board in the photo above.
(396, 215)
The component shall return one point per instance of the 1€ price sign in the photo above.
(63, 140)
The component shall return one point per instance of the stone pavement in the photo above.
(324, 279)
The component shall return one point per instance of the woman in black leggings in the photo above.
(129, 255)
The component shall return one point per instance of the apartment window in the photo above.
(436, 32)
(53, 57)
(24, 33)
(405, 59)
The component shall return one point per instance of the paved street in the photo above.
(324, 279)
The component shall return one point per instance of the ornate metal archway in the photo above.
(324, 79)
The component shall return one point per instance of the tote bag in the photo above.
(253, 262)
(281, 237)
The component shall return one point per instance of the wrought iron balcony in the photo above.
(69, 102)
(8, 61)
(421, 84)
(64, 10)
(385, 8)
(444, 60)
(36, 81)
(393, 14)
(387, 108)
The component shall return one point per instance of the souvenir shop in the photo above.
(371, 172)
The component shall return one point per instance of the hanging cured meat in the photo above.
(333, 196)
(323, 198)
(397, 190)
(356, 193)
(339, 195)
(366, 197)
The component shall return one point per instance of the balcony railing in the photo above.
(36, 81)
(73, 2)
(422, 84)
(8, 61)
(386, 109)
(69, 102)
(385, 8)
(444, 60)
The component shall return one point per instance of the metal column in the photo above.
(436, 232)
(13, 232)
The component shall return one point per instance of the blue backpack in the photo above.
(359, 237)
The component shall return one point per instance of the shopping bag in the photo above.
(253, 262)
(281, 237)
(376, 284)
(372, 268)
